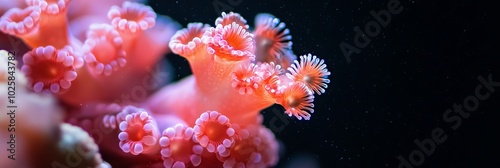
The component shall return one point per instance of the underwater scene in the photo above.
(240, 83)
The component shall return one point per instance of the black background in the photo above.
(393, 92)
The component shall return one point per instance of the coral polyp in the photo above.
(49, 69)
(107, 85)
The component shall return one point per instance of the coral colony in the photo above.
(86, 97)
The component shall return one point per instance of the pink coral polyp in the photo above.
(49, 69)
(298, 101)
(229, 18)
(214, 132)
(229, 42)
(139, 133)
(132, 17)
(50, 7)
(179, 149)
(103, 49)
(20, 22)
(186, 41)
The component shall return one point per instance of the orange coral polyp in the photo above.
(311, 71)
(103, 49)
(53, 24)
(244, 153)
(231, 17)
(179, 147)
(297, 100)
(20, 22)
(132, 17)
(245, 81)
(49, 69)
(53, 7)
(187, 41)
(272, 41)
(139, 133)
(269, 73)
(214, 132)
(230, 42)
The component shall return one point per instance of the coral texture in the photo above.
(99, 73)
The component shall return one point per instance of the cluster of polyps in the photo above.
(209, 119)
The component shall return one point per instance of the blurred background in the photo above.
(391, 93)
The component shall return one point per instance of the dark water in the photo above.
(393, 94)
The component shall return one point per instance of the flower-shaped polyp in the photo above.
(297, 100)
(49, 69)
(229, 18)
(245, 152)
(311, 71)
(269, 73)
(50, 7)
(229, 42)
(272, 41)
(20, 22)
(245, 80)
(132, 17)
(139, 133)
(103, 49)
(179, 148)
(214, 132)
(186, 41)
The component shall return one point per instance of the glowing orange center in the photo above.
(293, 101)
(235, 41)
(181, 150)
(135, 132)
(215, 131)
(47, 71)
